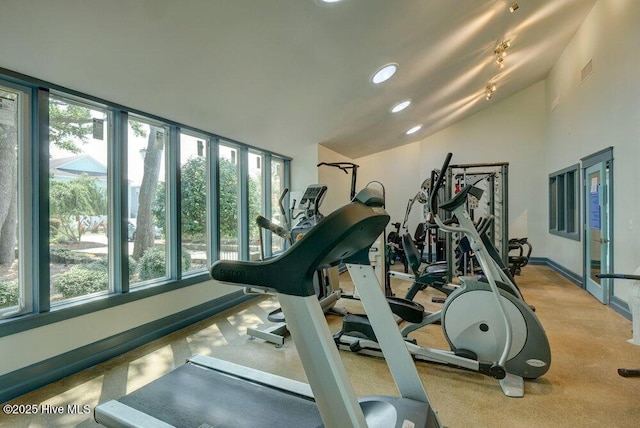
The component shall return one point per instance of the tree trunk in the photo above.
(8, 193)
(144, 235)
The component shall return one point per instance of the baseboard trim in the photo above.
(615, 303)
(620, 306)
(567, 273)
(29, 378)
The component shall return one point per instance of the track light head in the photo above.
(514, 6)
(490, 89)
(501, 52)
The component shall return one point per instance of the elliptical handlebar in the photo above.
(438, 184)
(285, 218)
(443, 224)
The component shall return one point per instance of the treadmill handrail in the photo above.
(344, 235)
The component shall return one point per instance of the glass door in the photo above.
(597, 253)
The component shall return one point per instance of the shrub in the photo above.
(65, 256)
(100, 265)
(133, 268)
(9, 293)
(152, 264)
(79, 281)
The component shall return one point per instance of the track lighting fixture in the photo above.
(501, 52)
(490, 89)
(514, 6)
(501, 49)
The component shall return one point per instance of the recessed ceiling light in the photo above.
(384, 73)
(400, 106)
(414, 129)
(331, 1)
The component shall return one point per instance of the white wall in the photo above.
(399, 171)
(511, 130)
(338, 183)
(29, 347)
(603, 111)
(303, 167)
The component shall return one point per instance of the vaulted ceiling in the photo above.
(282, 73)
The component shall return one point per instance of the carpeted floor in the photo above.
(582, 389)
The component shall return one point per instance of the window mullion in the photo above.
(267, 191)
(41, 204)
(213, 207)
(118, 196)
(173, 207)
(243, 240)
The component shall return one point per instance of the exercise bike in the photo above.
(490, 330)
(434, 274)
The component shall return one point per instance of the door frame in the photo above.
(603, 156)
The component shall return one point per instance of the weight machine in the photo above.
(493, 207)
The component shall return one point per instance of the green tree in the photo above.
(193, 196)
(228, 198)
(193, 199)
(8, 192)
(145, 233)
(70, 201)
(69, 125)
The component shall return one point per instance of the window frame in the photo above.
(27, 271)
(36, 239)
(89, 104)
(564, 202)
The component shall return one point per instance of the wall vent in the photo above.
(586, 70)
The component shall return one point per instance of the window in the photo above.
(228, 200)
(15, 296)
(193, 201)
(564, 213)
(89, 208)
(256, 202)
(79, 245)
(147, 195)
(277, 216)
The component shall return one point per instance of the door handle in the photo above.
(602, 241)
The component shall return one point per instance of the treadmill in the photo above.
(209, 392)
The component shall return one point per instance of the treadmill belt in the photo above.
(192, 397)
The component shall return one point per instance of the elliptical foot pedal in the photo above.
(276, 316)
(512, 386)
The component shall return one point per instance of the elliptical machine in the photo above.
(306, 215)
(489, 330)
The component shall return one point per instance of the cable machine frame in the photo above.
(497, 202)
